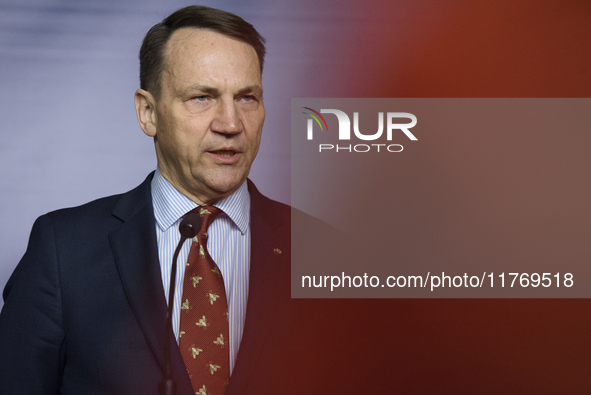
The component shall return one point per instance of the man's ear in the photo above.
(145, 108)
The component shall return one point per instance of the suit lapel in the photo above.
(136, 253)
(269, 266)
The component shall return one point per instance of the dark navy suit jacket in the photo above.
(85, 310)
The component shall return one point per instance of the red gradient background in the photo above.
(458, 48)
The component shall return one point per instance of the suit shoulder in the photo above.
(271, 209)
(282, 213)
(94, 207)
(119, 205)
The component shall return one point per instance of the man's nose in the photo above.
(227, 118)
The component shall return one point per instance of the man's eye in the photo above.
(247, 98)
(200, 98)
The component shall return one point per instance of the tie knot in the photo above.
(208, 214)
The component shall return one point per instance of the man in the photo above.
(85, 309)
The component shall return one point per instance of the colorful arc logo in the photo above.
(315, 117)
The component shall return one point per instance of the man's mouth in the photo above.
(224, 153)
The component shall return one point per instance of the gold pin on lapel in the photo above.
(277, 251)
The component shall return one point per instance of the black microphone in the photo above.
(189, 227)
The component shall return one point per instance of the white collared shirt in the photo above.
(228, 244)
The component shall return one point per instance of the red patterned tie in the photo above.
(204, 331)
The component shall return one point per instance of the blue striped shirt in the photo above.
(228, 244)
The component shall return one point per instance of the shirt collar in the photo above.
(170, 205)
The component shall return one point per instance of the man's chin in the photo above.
(224, 188)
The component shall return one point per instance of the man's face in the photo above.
(210, 114)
